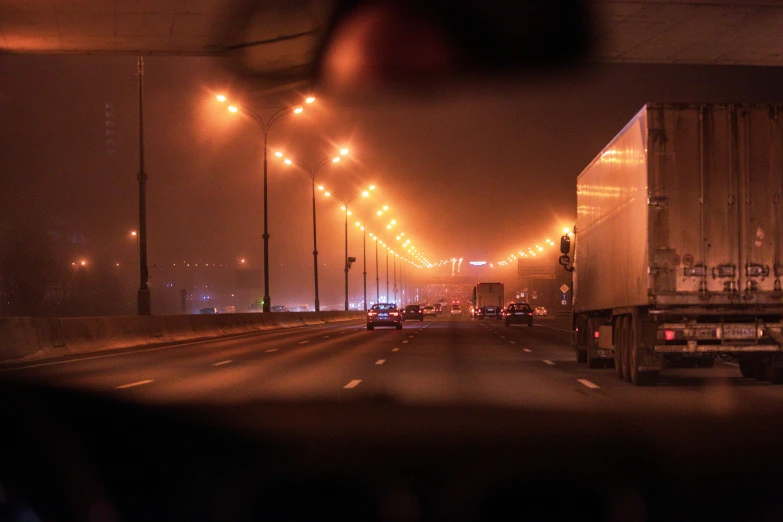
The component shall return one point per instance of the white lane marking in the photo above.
(395, 349)
(410, 337)
(303, 342)
(221, 363)
(353, 384)
(526, 350)
(272, 350)
(550, 363)
(131, 385)
(589, 384)
(380, 362)
(405, 342)
(326, 337)
(513, 342)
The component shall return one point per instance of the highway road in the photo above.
(442, 360)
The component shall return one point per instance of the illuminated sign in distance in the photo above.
(478, 263)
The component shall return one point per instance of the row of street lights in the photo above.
(345, 197)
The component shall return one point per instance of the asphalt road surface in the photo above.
(441, 360)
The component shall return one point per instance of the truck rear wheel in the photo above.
(619, 349)
(638, 377)
(748, 368)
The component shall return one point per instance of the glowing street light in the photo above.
(346, 199)
(312, 172)
(266, 125)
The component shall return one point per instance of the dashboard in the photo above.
(69, 455)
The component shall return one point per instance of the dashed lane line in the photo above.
(326, 337)
(527, 350)
(395, 349)
(133, 384)
(303, 342)
(221, 363)
(380, 362)
(353, 384)
(272, 350)
(513, 342)
(589, 384)
(550, 363)
(405, 342)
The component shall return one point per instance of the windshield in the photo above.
(349, 184)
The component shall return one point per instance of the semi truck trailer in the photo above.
(677, 251)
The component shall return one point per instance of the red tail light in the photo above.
(669, 334)
(596, 334)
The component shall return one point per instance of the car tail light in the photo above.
(669, 334)
(596, 334)
(393, 313)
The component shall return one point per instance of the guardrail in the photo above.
(31, 339)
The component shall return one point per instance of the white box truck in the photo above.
(678, 245)
(489, 300)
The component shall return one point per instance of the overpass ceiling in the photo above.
(716, 32)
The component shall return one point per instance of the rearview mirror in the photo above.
(565, 244)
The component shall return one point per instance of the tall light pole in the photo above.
(143, 296)
(265, 125)
(377, 281)
(312, 171)
(346, 199)
(395, 277)
(363, 225)
(387, 273)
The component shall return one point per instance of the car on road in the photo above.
(429, 311)
(456, 310)
(413, 312)
(208, 310)
(540, 311)
(384, 314)
(279, 308)
(518, 313)
(438, 308)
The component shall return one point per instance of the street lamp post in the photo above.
(363, 225)
(346, 200)
(265, 127)
(377, 280)
(387, 274)
(394, 260)
(312, 173)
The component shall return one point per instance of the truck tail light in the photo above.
(669, 335)
(596, 334)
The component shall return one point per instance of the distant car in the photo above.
(208, 311)
(518, 313)
(412, 312)
(429, 311)
(438, 308)
(540, 310)
(384, 314)
(456, 310)
(279, 308)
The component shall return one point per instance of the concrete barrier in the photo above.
(29, 339)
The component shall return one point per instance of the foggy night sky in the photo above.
(481, 173)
